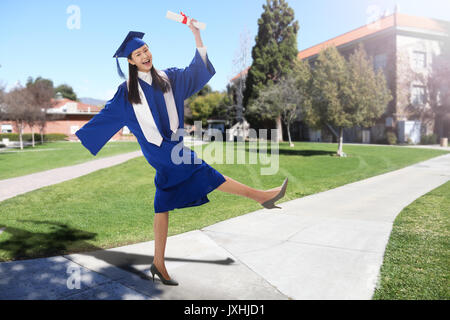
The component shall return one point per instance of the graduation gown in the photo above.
(178, 185)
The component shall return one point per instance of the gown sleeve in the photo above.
(188, 81)
(104, 125)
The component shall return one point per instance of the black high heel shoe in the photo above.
(270, 204)
(154, 271)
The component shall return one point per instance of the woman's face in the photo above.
(142, 58)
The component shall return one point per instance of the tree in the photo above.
(210, 105)
(344, 94)
(412, 91)
(41, 91)
(2, 99)
(424, 87)
(438, 87)
(19, 102)
(66, 91)
(225, 110)
(188, 118)
(240, 63)
(284, 98)
(369, 94)
(204, 91)
(329, 86)
(275, 50)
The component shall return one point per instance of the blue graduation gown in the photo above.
(177, 185)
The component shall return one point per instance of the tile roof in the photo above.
(81, 107)
(399, 19)
(241, 73)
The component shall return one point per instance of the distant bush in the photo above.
(429, 139)
(37, 136)
(391, 137)
(381, 141)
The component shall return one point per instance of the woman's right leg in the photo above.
(240, 189)
(161, 227)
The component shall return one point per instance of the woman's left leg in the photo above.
(161, 227)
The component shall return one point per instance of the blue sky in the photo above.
(36, 41)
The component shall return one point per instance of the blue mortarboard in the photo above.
(132, 42)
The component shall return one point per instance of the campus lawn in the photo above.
(416, 263)
(114, 206)
(51, 155)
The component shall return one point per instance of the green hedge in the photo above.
(429, 139)
(37, 136)
(389, 138)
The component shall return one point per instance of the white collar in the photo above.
(146, 76)
(144, 115)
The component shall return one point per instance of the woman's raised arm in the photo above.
(196, 32)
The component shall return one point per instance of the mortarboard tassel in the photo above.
(119, 70)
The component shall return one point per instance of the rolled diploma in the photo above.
(179, 18)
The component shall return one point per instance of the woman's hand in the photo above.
(196, 33)
(194, 29)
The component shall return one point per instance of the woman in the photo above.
(151, 105)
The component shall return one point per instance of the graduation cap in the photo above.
(132, 42)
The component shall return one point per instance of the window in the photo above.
(6, 128)
(74, 129)
(418, 95)
(379, 61)
(389, 122)
(419, 59)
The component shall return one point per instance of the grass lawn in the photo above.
(114, 206)
(16, 162)
(416, 263)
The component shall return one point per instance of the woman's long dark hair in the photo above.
(133, 89)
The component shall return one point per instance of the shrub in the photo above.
(10, 136)
(429, 139)
(391, 137)
(37, 136)
(381, 141)
(53, 137)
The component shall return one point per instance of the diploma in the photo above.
(184, 19)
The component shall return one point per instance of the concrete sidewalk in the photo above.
(14, 186)
(329, 245)
(425, 146)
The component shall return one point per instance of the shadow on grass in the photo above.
(24, 244)
(304, 153)
(34, 274)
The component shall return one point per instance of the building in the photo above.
(66, 117)
(401, 46)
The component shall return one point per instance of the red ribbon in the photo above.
(185, 18)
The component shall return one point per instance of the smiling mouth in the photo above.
(147, 63)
